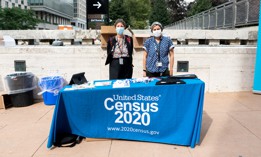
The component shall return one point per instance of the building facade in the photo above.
(52, 12)
(14, 3)
(79, 13)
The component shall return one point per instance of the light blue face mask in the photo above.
(120, 30)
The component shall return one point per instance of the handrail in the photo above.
(231, 14)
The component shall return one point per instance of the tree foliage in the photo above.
(118, 10)
(134, 12)
(139, 11)
(218, 2)
(177, 9)
(202, 5)
(199, 6)
(159, 12)
(17, 19)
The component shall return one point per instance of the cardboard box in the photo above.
(5, 101)
(139, 39)
(108, 30)
(106, 33)
(2, 104)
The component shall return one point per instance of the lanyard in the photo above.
(157, 48)
(122, 44)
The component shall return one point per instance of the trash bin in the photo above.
(50, 87)
(20, 88)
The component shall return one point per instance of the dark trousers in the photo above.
(157, 74)
(118, 71)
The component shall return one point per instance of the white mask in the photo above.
(157, 33)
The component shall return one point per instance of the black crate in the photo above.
(22, 99)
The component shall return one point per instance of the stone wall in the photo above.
(246, 36)
(223, 69)
(223, 59)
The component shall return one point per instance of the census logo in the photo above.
(135, 109)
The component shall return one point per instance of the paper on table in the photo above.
(121, 83)
(81, 86)
(107, 83)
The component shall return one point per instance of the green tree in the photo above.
(92, 25)
(177, 9)
(199, 6)
(118, 10)
(159, 12)
(17, 19)
(139, 11)
(218, 2)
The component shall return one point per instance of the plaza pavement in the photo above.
(231, 127)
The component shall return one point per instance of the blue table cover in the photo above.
(169, 114)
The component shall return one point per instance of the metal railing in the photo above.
(235, 13)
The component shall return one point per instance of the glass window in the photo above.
(41, 15)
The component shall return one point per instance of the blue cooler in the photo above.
(50, 87)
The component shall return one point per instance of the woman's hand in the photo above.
(144, 74)
(171, 72)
